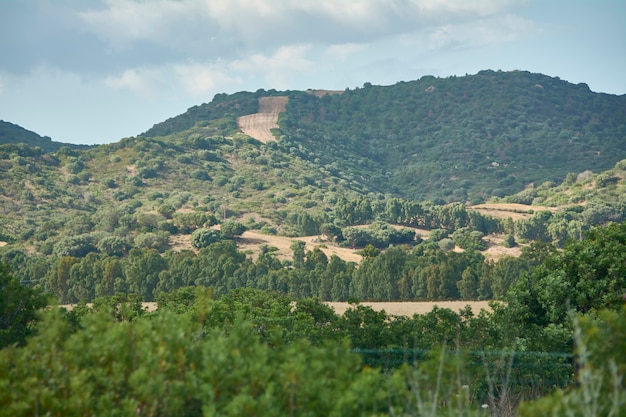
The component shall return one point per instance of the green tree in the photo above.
(232, 229)
(202, 238)
(142, 269)
(18, 307)
(587, 275)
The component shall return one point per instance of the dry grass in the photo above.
(512, 210)
(251, 241)
(259, 125)
(409, 308)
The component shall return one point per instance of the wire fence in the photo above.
(519, 371)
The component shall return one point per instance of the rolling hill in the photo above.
(395, 153)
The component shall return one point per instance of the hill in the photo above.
(451, 139)
(13, 134)
(333, 174)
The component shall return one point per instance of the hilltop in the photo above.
(13, 134)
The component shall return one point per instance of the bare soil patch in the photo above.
(251, 242)
(409, 308)
(495, 249)
(259, 125)
(512, 210)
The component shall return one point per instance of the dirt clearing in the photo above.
(251, 241)
(260, 125)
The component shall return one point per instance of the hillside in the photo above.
(450, 139)
(358, 170)
(13, 134)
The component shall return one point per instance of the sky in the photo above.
(96, 71)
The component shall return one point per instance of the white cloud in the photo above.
(123, 22)
(341, 52)
(185, 24)
(142, 81)
(200, 79)
(277, 69)
(483, 32)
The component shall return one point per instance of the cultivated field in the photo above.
(259, 125)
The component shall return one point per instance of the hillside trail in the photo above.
(260, 125)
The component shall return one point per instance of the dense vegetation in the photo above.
(393, 172)
(254, 352)
(460, 138)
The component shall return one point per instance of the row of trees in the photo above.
(425, 272)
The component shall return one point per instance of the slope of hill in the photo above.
(456, 139)
(452, 139)
(12, 134)
(460, 138)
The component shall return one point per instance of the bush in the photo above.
(158, 241)
(202, 238)
(508, 241)
(231, 229)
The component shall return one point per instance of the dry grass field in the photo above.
(259, 125)
(251, 241)
(408, 308)
(514, 211)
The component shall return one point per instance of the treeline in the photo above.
(425, 272)
(89, 265)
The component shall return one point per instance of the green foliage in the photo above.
(232, 229)
(76, 246)
(392, 134)
(586, 276)
(201, 238)
(18, 308)
(508, 241)
(601, 349)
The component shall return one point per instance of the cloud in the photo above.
(341, 52)
(277, 69)
(227, 26)
(145, 82)
(200, 79)
(482, 32)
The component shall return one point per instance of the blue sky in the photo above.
(95, 71)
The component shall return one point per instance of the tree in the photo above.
(113, 245)
(587, 275)
(202, 238)
(232, 229)
(166, 210)
(298, 246)
(18, 305)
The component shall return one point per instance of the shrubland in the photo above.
(395, 173)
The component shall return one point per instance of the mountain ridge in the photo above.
(11, 133)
